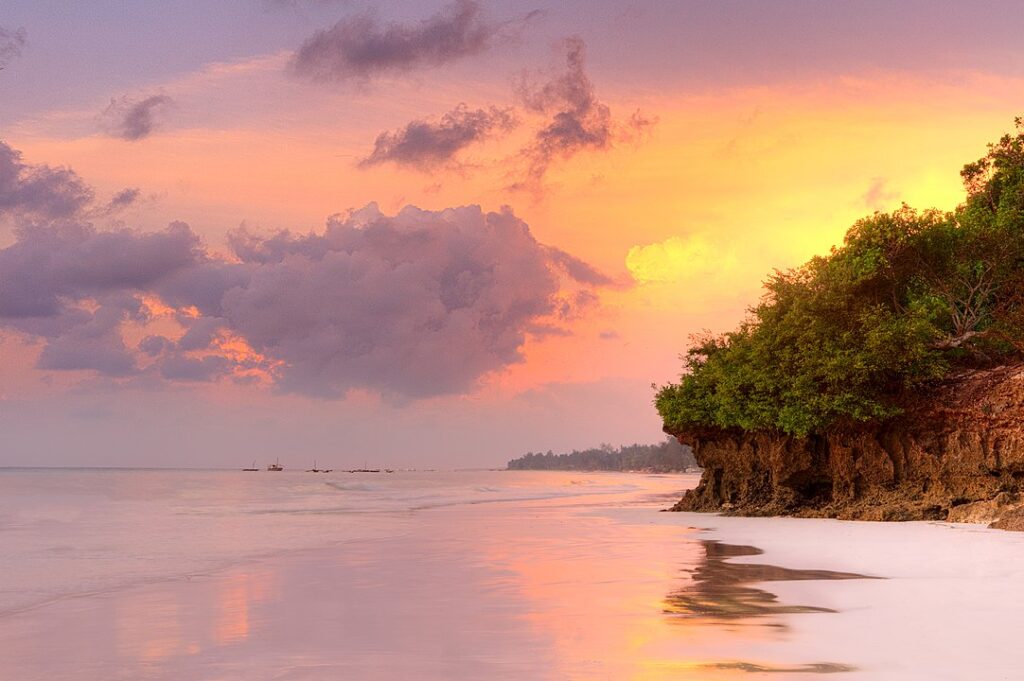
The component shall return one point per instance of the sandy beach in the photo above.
(575, 585)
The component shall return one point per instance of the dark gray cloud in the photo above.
(48, 265)
(39, 191)
(425, 144)
(358, 48)
(577, 119)
(69, 284)
(155, 345)
(123, 199)
(12, 42)
(422, 303)
(578, 269)
(201, 333)
(413, 305)
(73, 287)
(202, 287)
(95, 342)
(135, 120)
(194, 369)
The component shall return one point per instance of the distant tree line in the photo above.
(664, 457)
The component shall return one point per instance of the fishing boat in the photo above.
(253, 467)
(276, 466)
(314, 469)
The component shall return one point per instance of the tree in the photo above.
(908, 297)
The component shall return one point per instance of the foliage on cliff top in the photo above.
(907, 298)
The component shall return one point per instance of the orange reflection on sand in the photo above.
(607, 618)
(237, 594)
(153, 627)
(572, 596)
(148, 627)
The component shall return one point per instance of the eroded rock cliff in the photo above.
(956, 453)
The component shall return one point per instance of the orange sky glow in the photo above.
(685, 218)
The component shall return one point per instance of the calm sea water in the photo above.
(73, 531)
(435, 576)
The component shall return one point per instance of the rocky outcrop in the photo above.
(955, 453)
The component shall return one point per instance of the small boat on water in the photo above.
(276, 466)
(253, 467)
(314, 469)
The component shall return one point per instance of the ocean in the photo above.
(68, 532)
(433, 575)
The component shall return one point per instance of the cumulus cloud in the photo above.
(154, 345)
(134, 120)
(359, 48)
(94, 343)
(12, 42)
(39, 191)
(411, 305)
(576, 119)
(48, 265)
(417, 304)
(195, 369)
(425, 144)
(70, 285)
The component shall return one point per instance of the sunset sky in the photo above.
(436, 234)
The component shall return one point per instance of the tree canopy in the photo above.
(908, 297)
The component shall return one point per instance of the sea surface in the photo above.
(74, 531)
(451, 576)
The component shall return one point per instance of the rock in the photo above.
(956, 453)
(1012, 519)
(982, 511)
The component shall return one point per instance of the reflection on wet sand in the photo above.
(819, 668)
(721, 591)
(148, 627)
(154, 626)
(237, 594)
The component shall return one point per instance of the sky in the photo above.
(436, 234)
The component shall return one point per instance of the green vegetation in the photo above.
(660, 458)
(908, 298)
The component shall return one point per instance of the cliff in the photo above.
(955, 453)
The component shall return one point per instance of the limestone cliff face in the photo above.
(956, 453)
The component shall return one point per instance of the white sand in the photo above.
(950, 605)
